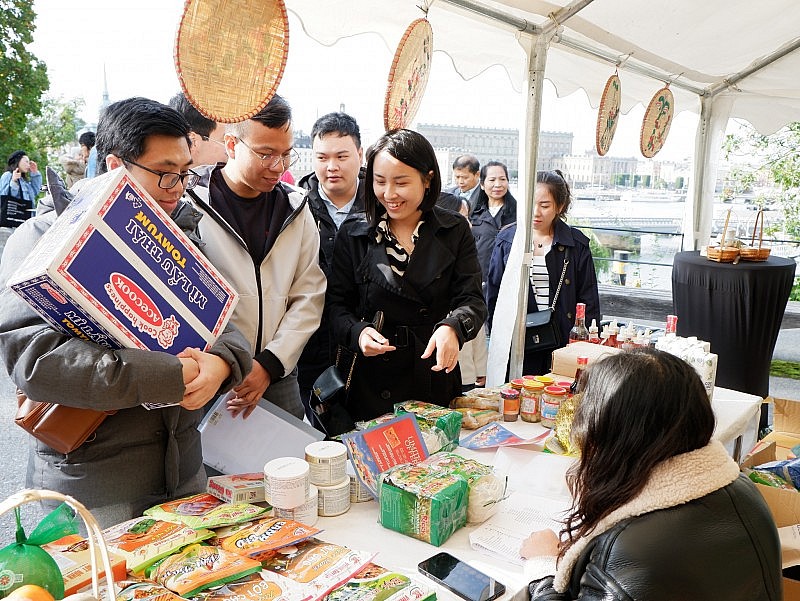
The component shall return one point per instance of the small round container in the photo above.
(306, 513)
(546, 380)
(326, 460)
(551, 401)
(510, 400)
(517, 383)
(530, 401)
(334, 500)
(286, 482)
(358, 492)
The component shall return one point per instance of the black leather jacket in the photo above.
(722, 546)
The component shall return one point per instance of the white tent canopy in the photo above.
(722, 59)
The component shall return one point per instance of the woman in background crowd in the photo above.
(553, 240)
(417, 264)
(494, 209)
(21, 178)
(660, 511)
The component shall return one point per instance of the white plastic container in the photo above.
(334, 500)
(306, 513)
(358, 492)
(286, 482)
(327, 460)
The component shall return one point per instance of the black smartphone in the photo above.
(461, 578)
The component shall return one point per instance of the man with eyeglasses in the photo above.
(262, 237)
(206, 135)
(137, 457)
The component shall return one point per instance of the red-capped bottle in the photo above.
(583, 362)
(579, 333)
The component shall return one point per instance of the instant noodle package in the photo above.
(423, 503)
(204, 511)
(434, 420)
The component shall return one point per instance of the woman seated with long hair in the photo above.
(660, 511)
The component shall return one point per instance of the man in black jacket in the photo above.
(335, 193)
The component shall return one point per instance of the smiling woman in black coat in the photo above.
(417, 264)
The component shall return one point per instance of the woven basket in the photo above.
(94, 536)
(408, 75)
(230, 56)
(753, 252)
(722, 253)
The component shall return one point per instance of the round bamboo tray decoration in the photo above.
(656, 122)
(408, 75)
(98, 551)
(608, 114)
(230, 56)
(753, 252)
(723, 253)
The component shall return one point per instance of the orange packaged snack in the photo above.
(261, 537)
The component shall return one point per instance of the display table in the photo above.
(737, 417)
(736, 308)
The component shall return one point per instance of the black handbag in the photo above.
(14, 211)
(541, 330)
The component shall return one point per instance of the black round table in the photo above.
(738, 309)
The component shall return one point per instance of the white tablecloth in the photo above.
(737, 416)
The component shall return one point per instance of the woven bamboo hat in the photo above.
(408, 75)
(608, 114)
(230, 55)
(656, 122)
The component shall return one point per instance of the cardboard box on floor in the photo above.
(784, 504)
(565, 360)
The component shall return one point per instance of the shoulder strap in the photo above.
(561, 280)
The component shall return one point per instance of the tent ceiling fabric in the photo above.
(697, 43)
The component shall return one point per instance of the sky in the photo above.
(133, 43)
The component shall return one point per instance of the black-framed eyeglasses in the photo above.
(169, 179)
(270, 161)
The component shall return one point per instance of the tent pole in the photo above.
(537, 60)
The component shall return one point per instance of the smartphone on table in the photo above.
(461, 578)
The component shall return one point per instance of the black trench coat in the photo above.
(441, 285)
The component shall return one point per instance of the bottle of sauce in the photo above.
(672, 325)
(583, 362)
(594, 338)
(579, 333)
(510, 398)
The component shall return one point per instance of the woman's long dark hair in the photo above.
(559, 189)
(413, 149)
(13, 162)
(638, 409)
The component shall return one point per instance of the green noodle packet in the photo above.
(204, 510)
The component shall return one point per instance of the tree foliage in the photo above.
(55, 127)
(774, 158)
(23, 78)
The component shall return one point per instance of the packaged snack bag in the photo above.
(204, 511)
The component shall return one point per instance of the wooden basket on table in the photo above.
(94, 536)
(753, 252)
(722, 253)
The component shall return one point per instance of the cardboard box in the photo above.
(115, 269)
(71, 554)
(784, 504)
(238, 488)
(565, 360)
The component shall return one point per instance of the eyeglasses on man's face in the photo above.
(169, 179)
(210, 139)
(271, 161)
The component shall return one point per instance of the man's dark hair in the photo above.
(337, 123)
(87, 139)
(467, 161)
(199, 124)
(125, 126)
(276, 115)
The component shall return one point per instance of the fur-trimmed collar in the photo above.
(676, 481)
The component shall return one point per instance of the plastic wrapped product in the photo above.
(204, 511)
(427, 414)
(257, 539)
(422, 502)
(264, 586)
(485, 489)
(788, 469)
(472, 419)
(375, 583)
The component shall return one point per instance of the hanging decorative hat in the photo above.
(230, 56)
(608, 114)
(409, 75)
(656, 122)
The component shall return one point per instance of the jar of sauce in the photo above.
(551, 401)
(530, 400)
(510, 399)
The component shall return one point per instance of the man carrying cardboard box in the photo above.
(260, 234)
(136, 458)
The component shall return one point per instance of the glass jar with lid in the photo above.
(530, 399)
(552, 397)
